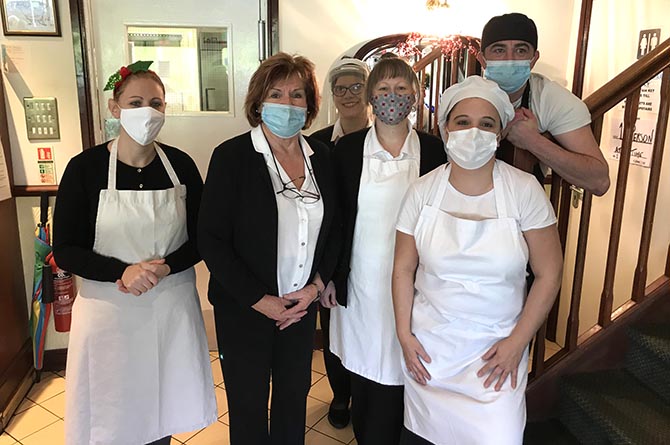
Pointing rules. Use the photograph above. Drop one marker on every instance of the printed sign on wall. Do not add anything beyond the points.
(46, 166)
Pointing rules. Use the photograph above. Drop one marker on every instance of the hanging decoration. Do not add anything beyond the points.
(417, 44)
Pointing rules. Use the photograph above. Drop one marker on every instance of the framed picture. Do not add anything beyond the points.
(30, 17)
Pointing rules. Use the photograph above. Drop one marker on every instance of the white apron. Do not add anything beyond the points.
(470, 290)
(138, 368)
(363, 333)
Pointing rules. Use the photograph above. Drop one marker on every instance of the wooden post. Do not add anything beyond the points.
(582, 46)
(640, 279)
(607, 297)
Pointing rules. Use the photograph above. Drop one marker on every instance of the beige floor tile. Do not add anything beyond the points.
(317, 362)
(175, 442)
(56, 405)
(314, 437)
(353, 442)
(224, 419)
(50, 385)
(215, 434)
(6, 439)
(24, 405)
(217, 375)
(54, 434)
(316, 409)
(183, 437)
(322, 391)
(221, 401)
(316, 377)
(344, 435)
(30, 421)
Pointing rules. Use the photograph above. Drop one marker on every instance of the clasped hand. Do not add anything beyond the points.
(522, 129)
(143, 276)
(290, 308)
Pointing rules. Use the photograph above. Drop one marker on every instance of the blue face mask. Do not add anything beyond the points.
(510, 75)
(284, 121)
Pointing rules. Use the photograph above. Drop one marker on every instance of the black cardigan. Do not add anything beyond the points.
(237, 226)
(325, 135)
(348, 159)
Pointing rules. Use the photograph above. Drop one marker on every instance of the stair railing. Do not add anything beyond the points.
(626, 85)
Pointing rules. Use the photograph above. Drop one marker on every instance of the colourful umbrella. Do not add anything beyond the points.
(42, 290)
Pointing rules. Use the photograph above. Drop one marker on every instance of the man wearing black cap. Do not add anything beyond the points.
(509, 52)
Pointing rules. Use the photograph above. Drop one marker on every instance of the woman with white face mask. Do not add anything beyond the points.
(138, 369)
(463, 317)
(374, 167)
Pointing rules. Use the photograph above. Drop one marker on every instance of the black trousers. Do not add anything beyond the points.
(253, 351)
(338, 376)
(409, 438)
(376, 411)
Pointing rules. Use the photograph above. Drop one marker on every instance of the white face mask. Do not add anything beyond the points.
(471, 148)
(142, 124)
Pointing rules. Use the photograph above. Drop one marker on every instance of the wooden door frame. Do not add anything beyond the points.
(16, 379)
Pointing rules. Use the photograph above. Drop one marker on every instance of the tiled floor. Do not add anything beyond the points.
(39, 419)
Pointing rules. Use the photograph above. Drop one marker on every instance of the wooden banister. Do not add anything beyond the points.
(640, 279)
(607, 297)
(380, 43)
(614, 91)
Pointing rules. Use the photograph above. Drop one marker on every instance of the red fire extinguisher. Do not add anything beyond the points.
(63, 295)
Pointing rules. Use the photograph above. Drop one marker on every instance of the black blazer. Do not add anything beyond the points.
(324, 135)
(237, 226)
(348, 159)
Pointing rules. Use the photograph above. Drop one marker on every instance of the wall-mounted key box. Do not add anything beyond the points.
(41, 118)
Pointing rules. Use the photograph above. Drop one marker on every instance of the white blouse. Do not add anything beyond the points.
(298, 223)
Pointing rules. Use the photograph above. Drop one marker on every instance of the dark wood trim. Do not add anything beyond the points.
(605, 349)
(54, 360)
(34, 190)
(572, 329)
(582, 47)
(380, 43)
(15, 383)
(640, 279)
(607, 297)
(273, 26)
(81, 68)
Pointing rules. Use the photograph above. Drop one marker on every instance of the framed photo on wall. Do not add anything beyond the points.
(30, 17)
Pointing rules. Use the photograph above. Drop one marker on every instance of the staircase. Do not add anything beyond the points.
(630, 405)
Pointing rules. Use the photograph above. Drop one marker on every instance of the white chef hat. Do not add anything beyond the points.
(475, 86)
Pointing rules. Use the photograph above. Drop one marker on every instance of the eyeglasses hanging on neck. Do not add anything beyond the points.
(289, 190)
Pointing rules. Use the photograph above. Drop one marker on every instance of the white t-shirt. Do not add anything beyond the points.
(526, 200)
(298, 223)
(557, 110)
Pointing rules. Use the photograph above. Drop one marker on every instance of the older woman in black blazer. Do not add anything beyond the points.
(266, 224)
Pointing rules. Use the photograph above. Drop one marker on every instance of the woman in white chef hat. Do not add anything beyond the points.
(464, 317)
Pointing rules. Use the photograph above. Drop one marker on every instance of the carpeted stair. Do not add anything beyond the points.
(622, 406)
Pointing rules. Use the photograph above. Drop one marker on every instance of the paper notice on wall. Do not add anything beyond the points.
(643, 141)
(5, 185)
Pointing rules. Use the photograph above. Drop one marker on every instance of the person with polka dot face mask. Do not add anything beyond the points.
(374, 167)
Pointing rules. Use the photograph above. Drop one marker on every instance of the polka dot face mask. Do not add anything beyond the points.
(392, 108)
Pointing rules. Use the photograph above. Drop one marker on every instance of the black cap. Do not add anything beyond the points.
(512, 26)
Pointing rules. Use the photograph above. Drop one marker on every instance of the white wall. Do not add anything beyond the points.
(323, 30)
(45, 68)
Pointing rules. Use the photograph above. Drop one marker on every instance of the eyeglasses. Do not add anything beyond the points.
(291, 191)
(341, 90)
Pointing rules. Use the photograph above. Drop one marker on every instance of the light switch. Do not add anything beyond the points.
(41, 118)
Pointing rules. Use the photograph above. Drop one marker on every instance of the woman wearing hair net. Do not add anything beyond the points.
(464, 318)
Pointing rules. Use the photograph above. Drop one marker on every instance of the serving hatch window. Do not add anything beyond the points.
(193, 63)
